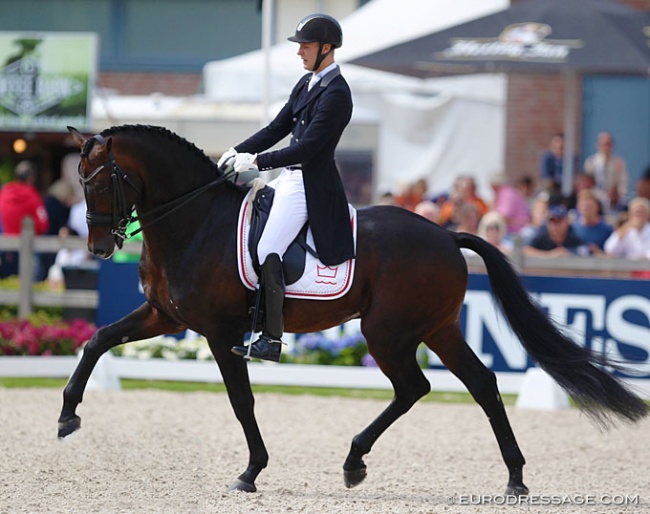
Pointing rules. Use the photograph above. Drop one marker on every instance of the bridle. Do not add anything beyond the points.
(122, 213)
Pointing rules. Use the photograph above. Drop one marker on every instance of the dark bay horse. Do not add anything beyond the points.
(409, 286)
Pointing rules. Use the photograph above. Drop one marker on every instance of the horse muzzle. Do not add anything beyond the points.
(101, 245)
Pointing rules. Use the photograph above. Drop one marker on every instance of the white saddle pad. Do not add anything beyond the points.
(318, 282)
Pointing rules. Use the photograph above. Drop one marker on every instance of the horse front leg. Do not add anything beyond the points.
(235, 377)
(142, 323)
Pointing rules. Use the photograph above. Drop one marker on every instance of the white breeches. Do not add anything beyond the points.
(288, 214)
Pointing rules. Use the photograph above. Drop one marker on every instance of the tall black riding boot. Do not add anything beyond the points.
(269, 345)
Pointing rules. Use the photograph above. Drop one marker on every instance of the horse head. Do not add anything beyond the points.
(109, 203)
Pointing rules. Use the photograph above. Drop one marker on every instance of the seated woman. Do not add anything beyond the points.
(494, 230)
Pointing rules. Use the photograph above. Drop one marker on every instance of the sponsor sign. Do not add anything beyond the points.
(517, 42)
(607, 315)
(46, 80)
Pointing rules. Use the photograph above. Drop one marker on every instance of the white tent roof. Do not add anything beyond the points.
(376, 25)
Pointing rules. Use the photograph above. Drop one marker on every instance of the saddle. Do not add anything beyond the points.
(293, 260)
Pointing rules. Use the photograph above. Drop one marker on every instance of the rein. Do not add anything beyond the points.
(173, 205)
(122, 214)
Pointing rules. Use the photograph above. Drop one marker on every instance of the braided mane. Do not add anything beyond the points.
(167, 134)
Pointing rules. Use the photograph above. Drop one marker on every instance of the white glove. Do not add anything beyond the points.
(226, 156)
(245, 162)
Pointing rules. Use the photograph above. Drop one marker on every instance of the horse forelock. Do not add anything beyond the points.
(88, 146)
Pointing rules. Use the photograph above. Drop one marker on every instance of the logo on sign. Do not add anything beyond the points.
(24, 90)
(518, 42)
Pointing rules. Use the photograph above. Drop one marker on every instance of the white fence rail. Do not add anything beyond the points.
(111, 369)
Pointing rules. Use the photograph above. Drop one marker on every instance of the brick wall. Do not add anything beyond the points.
(172, 84)
(534, 112)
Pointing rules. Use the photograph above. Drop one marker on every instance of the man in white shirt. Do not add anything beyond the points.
(632, 239)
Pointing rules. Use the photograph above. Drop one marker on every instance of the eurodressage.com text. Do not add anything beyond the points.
(544, 499)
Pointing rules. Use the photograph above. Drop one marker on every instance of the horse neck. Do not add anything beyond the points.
(216, 206)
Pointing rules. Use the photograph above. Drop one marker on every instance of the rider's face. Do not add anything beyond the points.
(308, 52)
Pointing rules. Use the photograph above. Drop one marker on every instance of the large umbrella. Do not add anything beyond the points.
(557, 36)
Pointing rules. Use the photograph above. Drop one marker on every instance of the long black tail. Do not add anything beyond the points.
(575, 368)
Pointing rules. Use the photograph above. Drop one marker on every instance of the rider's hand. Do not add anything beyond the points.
(227, 156)
(245, 162)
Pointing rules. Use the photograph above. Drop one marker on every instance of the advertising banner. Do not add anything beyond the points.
(607, 315)
(46, 80)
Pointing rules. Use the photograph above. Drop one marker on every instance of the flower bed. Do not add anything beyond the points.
(43, 335)
(316, 348)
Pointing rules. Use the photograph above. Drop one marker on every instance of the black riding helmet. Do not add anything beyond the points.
(319, 28)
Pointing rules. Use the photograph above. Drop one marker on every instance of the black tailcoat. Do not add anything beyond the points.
(316, 120)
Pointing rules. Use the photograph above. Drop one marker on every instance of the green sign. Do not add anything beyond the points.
(46, 80)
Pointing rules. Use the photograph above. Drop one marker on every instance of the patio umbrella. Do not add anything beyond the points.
(533, 36)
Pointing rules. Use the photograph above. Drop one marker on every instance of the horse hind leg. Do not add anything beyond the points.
(409, 384)
(481, 383)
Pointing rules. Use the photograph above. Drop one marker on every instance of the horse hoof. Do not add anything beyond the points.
(517, 490)
(239, 485)
(354, 477)
(69, 426)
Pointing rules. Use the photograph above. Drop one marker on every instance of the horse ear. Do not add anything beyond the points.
(76, 136)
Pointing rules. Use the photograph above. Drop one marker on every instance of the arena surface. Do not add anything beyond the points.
(162, 452)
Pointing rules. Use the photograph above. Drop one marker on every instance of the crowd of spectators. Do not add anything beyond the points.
(603, 215)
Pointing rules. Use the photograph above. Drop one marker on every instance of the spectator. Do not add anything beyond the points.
(510, 203)
(412, 195)
(429, 210)
(58, 200)
(556, 238)
(494, 230)
(610, 173)
(463, 192)
(551, 165)
(581, 183)
(632, 238)
(468, 219)
(538, 216)
(70, 172)
(60, 197)
(20, 199)
(526, 187)
(77, 218)
(643, 184)
(589, 224)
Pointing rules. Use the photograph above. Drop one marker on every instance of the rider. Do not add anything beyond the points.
(309, 186)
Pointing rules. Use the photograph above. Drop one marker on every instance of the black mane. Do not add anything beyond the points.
(167, 134)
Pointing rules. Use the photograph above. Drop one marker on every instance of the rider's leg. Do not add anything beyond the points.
(269, 344)
(288, 215)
